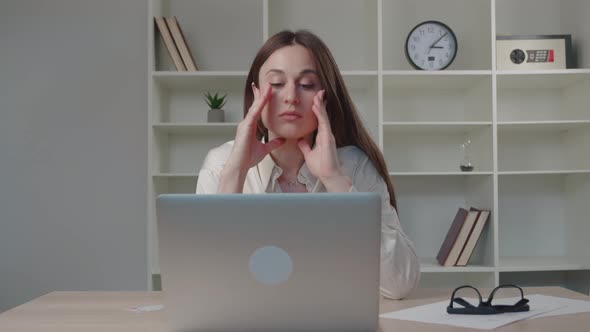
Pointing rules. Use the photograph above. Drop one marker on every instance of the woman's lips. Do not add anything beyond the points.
(290, 116)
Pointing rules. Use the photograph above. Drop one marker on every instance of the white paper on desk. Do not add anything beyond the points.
(436, 313)
(570, 306)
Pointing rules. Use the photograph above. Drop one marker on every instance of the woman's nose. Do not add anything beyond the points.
(291, 95)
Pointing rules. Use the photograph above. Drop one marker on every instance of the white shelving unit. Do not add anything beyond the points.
(530, 131)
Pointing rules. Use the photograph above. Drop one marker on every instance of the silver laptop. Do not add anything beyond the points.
(270, 262)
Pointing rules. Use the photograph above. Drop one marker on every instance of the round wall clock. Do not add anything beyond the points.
(431, 45)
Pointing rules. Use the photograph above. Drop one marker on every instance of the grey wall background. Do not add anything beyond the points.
(73, 147)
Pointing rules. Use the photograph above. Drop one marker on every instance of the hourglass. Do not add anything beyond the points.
(466, 164)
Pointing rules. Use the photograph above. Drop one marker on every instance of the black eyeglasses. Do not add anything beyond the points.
(486, 307)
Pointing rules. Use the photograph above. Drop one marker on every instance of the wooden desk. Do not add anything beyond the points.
(106, 311)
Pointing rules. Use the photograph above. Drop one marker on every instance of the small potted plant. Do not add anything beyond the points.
(215, 103)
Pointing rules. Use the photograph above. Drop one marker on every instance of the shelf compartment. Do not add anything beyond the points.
(543, 216)
(535, 263)
(543, 146)
(531, 17)
(364, 91)
(207, 26)
(180, 98)
(443, 195)
(185, 153)
(412, 98)
(578, 281)
(473, 31)
(452, 280)
(436, 148)
(352, 38)
(560, 96)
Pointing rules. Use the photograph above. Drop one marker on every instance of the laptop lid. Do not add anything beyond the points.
(280, 262)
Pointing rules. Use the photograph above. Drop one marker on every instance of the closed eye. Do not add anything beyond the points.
(303, 86)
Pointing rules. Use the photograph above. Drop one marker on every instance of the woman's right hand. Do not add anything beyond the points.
(247, 150)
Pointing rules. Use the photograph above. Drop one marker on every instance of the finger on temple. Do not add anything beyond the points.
(265, 99)
(255, 91)
(257, 105)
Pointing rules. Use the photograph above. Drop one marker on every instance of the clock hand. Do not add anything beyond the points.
(431, 47)
(441, 37)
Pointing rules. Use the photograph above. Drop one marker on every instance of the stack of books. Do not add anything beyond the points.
(465, 231)
(173, 37)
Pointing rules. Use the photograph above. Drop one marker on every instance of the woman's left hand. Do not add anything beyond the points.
(322, 160)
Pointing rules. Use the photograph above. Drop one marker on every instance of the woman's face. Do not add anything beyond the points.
(292, 74)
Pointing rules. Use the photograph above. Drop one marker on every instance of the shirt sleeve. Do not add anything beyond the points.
(400, 269)
(209, 175)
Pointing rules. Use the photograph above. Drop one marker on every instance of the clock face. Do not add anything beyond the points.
(431, 45)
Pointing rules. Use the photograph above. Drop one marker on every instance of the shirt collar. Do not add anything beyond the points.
(267, 167)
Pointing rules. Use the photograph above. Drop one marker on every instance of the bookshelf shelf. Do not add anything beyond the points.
(564, 72)
(440, 173)
(436, 127)
(176, 175)
(359, 73)
(530, 131)
(430, 265)
(196, 128)
(532, 263)
(443, 73)
(556, 125)
(169, 74)
(545, 172)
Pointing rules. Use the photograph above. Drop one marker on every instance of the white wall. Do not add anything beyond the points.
(73, 147)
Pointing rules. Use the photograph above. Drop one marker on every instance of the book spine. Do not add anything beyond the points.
(169, 42)
(181, 43)
(451, 236)
(461, 239)
(473, 238)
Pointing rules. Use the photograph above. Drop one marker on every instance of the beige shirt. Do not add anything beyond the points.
(400, 270)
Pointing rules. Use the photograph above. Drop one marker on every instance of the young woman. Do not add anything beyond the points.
(301, 133)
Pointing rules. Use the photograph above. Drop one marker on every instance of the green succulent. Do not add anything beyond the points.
(214, 101)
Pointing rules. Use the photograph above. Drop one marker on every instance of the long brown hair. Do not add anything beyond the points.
(345, 122)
